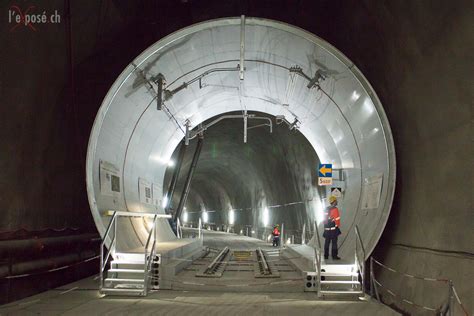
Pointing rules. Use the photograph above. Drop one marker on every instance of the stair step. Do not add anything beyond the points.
(127, 261)
(118, 291)
(126, 270)
(340, 282)
(132, 256)
(342, 274)
(125, 280)
(341, 292)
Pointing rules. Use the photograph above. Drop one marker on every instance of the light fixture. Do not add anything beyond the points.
(231, 217)
(164, 203)
(355, 96)
(265, 217)
(319, 211)
(205, 216)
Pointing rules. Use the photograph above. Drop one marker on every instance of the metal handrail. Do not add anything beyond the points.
(103, 261)
(179, 230)
(149, 256)
(317, 257)
(360, 263)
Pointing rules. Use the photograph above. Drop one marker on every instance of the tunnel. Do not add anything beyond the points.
(257, 67)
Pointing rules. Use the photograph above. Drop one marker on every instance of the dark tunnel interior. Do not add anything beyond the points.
(238, 176)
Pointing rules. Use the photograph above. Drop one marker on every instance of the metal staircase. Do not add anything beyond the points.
(129, 273)
(340, 279)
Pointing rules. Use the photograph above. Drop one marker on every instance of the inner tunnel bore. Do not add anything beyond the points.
(249, 187)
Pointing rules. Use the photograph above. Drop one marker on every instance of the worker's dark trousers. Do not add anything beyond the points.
(276, 241)
(333, 241)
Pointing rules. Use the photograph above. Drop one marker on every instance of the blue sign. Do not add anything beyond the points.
(325, 170)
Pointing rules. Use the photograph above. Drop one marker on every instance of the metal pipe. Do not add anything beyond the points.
(169, 94)
(193, 134)
(44, 264)
(10, 247)
(303, 241)
(174, 179)
(187, 184)
(245, 126)
(242, 46)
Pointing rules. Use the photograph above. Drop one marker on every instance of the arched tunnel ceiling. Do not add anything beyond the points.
(341, 118)
(270, 170)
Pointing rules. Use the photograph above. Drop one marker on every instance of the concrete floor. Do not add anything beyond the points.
(83, 298)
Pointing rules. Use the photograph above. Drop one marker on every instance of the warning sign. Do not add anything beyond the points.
(337, 192)
(144, 189)
(371, 192)
(109, 179)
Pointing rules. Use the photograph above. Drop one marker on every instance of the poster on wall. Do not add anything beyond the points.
(371, 192)
(144, 189)
(109, 179)
(156, 194)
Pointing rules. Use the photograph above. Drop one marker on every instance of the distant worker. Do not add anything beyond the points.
(276, 236)
(332, 221)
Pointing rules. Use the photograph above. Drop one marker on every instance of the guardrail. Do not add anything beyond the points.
(111, 234)
(113, 244)
(447, 308)
(317, 258)
(360, 257)
(149, 254)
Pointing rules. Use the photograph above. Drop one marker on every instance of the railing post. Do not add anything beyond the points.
(282, 237)
(101, 266)
(178, 226)
(303, 239)
(115, 219)
(199, 226)
(371, 277)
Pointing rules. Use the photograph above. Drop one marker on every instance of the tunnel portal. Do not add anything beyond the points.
(249, 67)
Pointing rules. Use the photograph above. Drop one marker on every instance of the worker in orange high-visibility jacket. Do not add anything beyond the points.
(276, 236)
(332, 222)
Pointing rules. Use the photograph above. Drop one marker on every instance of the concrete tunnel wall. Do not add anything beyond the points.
(417, 55)
(343, 121)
